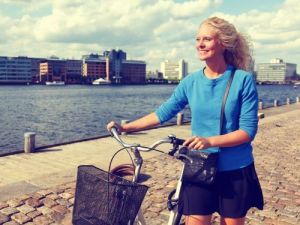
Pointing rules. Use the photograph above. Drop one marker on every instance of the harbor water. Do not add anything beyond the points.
(59, 114)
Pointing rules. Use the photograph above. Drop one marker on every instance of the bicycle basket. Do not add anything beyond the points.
(102, 198)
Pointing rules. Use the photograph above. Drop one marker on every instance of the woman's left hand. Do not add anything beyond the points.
(197, 143)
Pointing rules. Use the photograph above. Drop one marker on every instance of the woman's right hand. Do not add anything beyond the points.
(114, 124)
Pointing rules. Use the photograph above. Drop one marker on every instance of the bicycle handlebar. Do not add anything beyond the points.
(115, 134)
(171, 139)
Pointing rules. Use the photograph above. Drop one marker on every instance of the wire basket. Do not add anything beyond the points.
(102, 198)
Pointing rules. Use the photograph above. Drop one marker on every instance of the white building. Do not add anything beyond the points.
(275, 71)
(15, 69)
(174, 70)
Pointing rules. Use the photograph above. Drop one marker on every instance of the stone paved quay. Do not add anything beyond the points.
(39, 188)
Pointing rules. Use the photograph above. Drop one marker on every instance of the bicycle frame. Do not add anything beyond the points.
(174, 218)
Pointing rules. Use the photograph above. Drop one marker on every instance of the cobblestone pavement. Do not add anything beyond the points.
(277, 156)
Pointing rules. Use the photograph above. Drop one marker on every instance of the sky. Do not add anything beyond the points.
(147, 30)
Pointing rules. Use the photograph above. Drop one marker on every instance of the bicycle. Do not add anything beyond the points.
(126, 196)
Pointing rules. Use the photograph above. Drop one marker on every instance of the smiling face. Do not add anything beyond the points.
(208, 46)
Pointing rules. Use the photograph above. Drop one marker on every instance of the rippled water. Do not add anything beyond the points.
(74, 112)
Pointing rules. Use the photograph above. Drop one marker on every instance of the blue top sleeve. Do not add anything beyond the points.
(174, 104)
(248, 120)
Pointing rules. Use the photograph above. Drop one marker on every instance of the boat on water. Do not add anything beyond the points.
(297, 85)
(55, 83)
(101, 81)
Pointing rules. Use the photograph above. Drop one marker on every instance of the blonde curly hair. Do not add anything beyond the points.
(238, 48)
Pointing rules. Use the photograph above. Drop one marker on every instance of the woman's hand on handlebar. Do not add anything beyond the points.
(114, 124)
(198, 143)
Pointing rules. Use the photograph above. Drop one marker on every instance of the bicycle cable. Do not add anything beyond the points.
(114, 155)
(109, 170)
(153, 149)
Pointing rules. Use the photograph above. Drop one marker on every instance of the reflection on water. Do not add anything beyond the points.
(74, 112)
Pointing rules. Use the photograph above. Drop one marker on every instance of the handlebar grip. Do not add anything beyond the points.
(113, 131)
(115, 134)
(176, 142)
(179, 141)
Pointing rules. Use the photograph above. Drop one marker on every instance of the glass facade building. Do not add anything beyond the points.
(275, 71)
(15, 69)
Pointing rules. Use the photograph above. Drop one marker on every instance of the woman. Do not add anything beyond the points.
(237, 187)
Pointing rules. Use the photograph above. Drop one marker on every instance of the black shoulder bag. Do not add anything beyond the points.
(202, 167)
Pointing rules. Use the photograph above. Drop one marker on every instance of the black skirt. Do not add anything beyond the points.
(232, 195)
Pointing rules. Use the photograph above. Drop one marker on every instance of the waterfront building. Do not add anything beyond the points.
(277, 71)
(15, 70)
(154, 75)
(53, 70)
(35, 69)
(94, 67)
(174, 70)
(133, 72)
(73, 71)
(114, 64)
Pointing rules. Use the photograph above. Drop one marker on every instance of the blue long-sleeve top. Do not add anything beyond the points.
(204, 97)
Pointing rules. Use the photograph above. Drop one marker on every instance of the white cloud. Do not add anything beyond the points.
(5, 22)
(288, 16)
(275, 34)
(147, 29)
(189, 9)
(175, 30)
(21, 28)
(27, 6)
(134, 25)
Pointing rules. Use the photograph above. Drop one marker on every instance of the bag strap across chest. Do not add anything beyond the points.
(225, 98)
